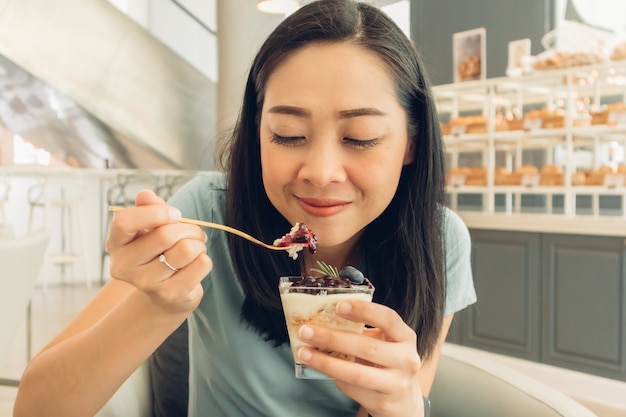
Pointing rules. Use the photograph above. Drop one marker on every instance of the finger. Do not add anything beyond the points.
(157, 280)
(149, 245)
(147, 197)
(178, 257)
(127, 223)
(128, 261)
(183, 290)
(378, 316)
(371, 351)
(350, 372)
(374, 388)
(186, 257)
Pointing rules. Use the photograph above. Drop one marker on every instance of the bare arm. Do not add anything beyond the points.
(429, 369)
(80, 369)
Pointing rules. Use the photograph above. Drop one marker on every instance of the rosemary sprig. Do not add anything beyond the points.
(326, 269)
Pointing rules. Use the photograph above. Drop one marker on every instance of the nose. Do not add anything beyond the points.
(324, 163)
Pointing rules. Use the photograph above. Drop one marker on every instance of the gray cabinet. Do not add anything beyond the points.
(555, 299)
(507, 320)
(584, 314)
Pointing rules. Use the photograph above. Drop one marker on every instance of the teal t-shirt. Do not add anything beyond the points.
(233, 371)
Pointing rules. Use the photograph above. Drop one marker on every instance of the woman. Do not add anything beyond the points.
(338, 130)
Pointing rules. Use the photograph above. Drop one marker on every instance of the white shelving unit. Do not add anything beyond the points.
(576, 91)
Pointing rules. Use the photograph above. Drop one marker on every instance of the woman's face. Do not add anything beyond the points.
(333, 139)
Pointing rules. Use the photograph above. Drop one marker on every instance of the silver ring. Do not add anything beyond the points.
(163, 259)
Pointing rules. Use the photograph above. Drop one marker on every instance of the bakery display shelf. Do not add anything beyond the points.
(561, 114)
(559, 201)
(539, 189)
(517, 135)
(588, 225)
(616, 133)
(540, 137)
(595, 81)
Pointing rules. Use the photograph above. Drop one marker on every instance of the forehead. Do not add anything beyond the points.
(336, 69)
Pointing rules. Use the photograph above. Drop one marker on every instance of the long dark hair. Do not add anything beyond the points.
(403, 248)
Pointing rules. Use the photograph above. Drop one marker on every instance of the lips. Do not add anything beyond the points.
(322, 207)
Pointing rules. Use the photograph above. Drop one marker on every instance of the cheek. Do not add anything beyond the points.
(267, 166)
(275, 168)
(382, 184)
(380, 177)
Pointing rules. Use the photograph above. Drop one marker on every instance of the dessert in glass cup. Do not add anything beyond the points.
(313, 300)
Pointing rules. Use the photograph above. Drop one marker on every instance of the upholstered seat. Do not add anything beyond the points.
(21, 259)
(468, 384)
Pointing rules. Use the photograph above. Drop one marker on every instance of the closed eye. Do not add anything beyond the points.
(287, 140)
(297, 140)
(362, 144)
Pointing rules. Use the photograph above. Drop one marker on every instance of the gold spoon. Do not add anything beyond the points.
(220, 227)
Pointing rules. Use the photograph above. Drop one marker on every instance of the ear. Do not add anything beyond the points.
(409, 155)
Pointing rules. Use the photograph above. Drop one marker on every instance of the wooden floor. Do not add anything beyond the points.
(54, 309)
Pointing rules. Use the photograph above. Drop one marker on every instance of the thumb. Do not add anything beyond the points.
(147, 197)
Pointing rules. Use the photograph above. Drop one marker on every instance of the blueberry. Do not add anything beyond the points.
(354, 275)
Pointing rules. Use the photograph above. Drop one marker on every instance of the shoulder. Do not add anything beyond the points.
(203, 197)
(210, 180)
(460, 290)
(456, 233)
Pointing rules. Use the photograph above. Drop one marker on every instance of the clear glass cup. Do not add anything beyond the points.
(306, 305)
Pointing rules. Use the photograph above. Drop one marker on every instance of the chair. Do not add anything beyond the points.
(466, 385)
(171, 182)
(469, 385)
(5, 190)
(133, 398)
(62, 196)
(21, 259)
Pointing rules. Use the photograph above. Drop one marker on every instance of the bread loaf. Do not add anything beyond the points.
(477, 176)
(552, 175)
(619, 52)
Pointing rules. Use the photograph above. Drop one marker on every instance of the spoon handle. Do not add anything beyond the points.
(220, 227)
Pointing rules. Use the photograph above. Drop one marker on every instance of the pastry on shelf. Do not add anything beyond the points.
(599, 118)
(455, 177)
(515, 124)
(616, 114)
(500, 176)
(477, 176)
(554, 120)
(598, 177)
(546, 119)
(552, 175)
(553, 60)
(507, 124)
(619, 52)
(612, 114)
(468, 124)
(533, 119)
(469, 69)
(579, 178)
(524, 175)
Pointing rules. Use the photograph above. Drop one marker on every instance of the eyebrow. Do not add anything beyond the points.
(344, 114)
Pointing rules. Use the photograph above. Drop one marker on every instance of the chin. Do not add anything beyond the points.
(329, 239)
